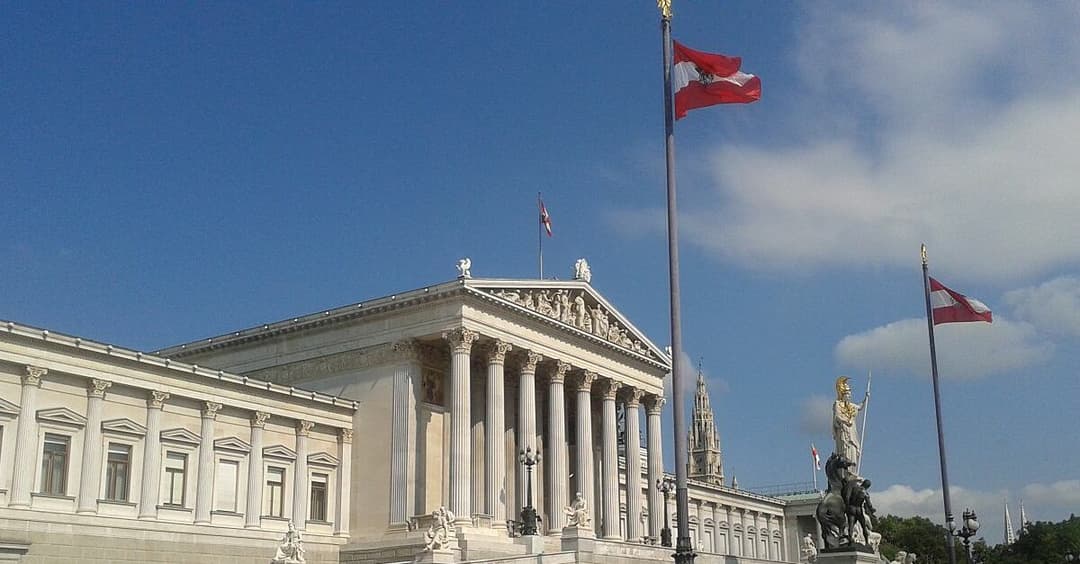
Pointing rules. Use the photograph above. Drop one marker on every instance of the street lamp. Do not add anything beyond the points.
(528, 513)
(666, 486)
(968, 530)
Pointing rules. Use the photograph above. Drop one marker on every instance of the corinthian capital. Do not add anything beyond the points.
(497, 351)
(303, 428)
(558, 374)
(407, 349)
(530, 361)
(461, 339)
(33, 375)
(210, 409)
(609, 388)
(633, 397)
(259, 419)
(156, 399)
(585, 382)
(654, 404)
(96, 388)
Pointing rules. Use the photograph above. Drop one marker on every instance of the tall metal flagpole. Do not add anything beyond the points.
(684, 553)
(540, 233)
(937, 411)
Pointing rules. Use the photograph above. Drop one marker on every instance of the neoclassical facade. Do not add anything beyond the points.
(356, 424)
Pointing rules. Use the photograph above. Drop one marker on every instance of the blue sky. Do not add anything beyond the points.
(175, 171)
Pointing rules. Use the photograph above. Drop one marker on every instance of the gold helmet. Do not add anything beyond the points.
(842, 387)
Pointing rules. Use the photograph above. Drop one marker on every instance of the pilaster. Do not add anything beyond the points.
(341, 522)
(300, 483)
(253, 508)
(150, 490)
(403, 417)
(204, 490)
(90, 479)
(22, 479)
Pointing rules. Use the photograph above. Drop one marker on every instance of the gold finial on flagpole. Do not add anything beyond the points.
(665, 8)
(922, 251)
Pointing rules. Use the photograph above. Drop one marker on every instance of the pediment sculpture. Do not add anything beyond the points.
(572, 308)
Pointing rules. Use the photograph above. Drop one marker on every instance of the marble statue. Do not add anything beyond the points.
(901, 558)
(464, 267)
(582, 271)
(910, 558)
(844, 429)
(291, 548)
(577, 514)
(874, 541)
(809, 548)
(439, 535)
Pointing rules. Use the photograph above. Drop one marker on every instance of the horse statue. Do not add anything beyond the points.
(832, 510)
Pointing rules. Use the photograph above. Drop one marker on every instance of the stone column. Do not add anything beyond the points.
(461, 341)
(494, 429)
(584, 470)
(253, 508)
(608, 389)
(402, 431)
(204, 490)
(654, 405)
(150, 490)
(749, 546)
(730, 530)
(90, 479)
(557, 456)
(300, 480)
(22, 479)
(341, 523)
(527, 420)
(768, 538)
(633, 466)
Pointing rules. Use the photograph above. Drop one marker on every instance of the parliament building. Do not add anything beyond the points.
(355, 425)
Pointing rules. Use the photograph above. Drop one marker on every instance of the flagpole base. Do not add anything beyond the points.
(684, 554)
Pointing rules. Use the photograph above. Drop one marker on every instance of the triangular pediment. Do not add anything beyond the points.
(322, 459)
(280, 452)
(179, 435)
(232, 443)
(123, 426)
(575, 307)
(8, 410)
(61, 416)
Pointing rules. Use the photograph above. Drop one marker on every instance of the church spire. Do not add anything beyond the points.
(1009, 537)
(704, 441)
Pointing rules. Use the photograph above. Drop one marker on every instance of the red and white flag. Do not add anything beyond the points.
(814, 454)
(704, 79)
(953, 307)
(545, 219)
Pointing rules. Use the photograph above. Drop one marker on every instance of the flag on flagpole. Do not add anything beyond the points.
(545, 219)
(950, 306)
(814, 454)
(704, 79)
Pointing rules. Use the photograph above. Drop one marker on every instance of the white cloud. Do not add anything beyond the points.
(943, 125)
(1052, 306)
(1063, 493)
(816, 417)
(689, 371)
(965, 350)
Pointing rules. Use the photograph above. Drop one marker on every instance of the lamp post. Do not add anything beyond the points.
(666, 486)
(528, 513)
(971, 526)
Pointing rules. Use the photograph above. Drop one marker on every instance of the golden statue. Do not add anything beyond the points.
(844, 429)
(665, 8)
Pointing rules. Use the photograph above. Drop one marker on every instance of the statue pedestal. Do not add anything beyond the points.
(848, 557)
(534, 544)
(578, 539)
(439, 556)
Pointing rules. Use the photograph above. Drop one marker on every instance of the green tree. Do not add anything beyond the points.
(913, 534)
(1041, 542)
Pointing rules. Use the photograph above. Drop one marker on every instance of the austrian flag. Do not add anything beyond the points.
(950, 306)
(704, 79)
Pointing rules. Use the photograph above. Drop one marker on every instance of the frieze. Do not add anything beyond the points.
(334, 364)
(578, 310)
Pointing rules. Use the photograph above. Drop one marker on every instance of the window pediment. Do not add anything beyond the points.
(123, 426)
(180, 436)
(8, 410)
(323, 459)
(61, 416)
(233, 444)
(280, 452)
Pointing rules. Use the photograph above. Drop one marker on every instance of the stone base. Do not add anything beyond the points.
(578, 539)
(442, 556)
(534, 544)
(848, 557)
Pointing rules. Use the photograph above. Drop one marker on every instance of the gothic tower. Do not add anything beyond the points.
(704, 442)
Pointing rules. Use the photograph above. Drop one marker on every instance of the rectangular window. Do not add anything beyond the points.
(54, 461)
(228, 472)
(175, 478)
(318, 497)
(117, 472)
(275, 492)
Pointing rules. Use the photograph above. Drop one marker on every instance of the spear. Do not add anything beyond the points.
(865, 410)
